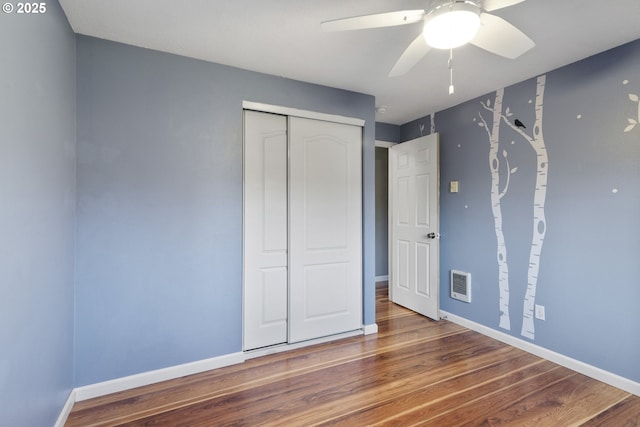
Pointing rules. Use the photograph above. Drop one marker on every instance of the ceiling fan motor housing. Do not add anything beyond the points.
(452, 24)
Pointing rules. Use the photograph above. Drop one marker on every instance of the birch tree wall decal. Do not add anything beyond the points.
(536, 141)
(496, 196)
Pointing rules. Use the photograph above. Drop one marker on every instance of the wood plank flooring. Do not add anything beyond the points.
(414, 372)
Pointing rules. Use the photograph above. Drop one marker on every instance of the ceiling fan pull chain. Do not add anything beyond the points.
(450, 71)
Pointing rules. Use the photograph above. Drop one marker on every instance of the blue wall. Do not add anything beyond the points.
(159, 228)
(37, 190)
(416, 128)
(387, 132)
(588, 268)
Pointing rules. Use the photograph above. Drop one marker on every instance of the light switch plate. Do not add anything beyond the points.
(453, 186)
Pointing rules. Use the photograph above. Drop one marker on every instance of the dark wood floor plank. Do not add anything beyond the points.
(253, 372)
(347, 385)
(567, 403)
(415, 371)
(623, 414)
(412, 394)
(444, 405)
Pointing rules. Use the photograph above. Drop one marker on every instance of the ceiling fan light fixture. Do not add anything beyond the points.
(452, 24)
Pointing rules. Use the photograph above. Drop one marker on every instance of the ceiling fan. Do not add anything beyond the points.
(447, 25)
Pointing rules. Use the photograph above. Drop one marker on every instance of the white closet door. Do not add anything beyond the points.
(325, 231)
(265, 230)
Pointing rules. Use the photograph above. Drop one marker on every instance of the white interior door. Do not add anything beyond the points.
(414, 225)
(265, 230)
(325, 235)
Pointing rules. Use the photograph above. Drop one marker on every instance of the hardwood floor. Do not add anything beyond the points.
(414, 372)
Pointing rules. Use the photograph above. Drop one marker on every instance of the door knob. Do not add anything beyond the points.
(431, 236)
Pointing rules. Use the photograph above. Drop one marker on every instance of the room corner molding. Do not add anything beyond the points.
(566, 361)
(66, 410)
(156, 376)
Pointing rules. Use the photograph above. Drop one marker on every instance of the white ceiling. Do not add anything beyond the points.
(283, 38)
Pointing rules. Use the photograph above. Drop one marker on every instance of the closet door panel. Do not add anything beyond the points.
(265, 272)
(325, 231)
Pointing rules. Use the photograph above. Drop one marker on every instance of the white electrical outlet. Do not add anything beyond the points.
(540, 312)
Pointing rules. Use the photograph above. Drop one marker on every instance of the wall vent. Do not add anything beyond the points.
(461, 285)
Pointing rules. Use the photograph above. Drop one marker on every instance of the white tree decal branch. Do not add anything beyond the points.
(510, 171)
(633, 122)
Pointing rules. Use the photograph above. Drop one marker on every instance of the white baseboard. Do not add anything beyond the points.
(370, 329)
(566, 361)
(66, 410)
(152, 377)
(382, 278)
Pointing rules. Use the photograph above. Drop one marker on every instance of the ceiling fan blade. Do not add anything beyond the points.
(390, 19)
(410, 57)
(491, 5)
(500, 37)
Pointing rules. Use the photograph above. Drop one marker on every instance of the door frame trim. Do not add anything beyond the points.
(305, 114)
(386, 144)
